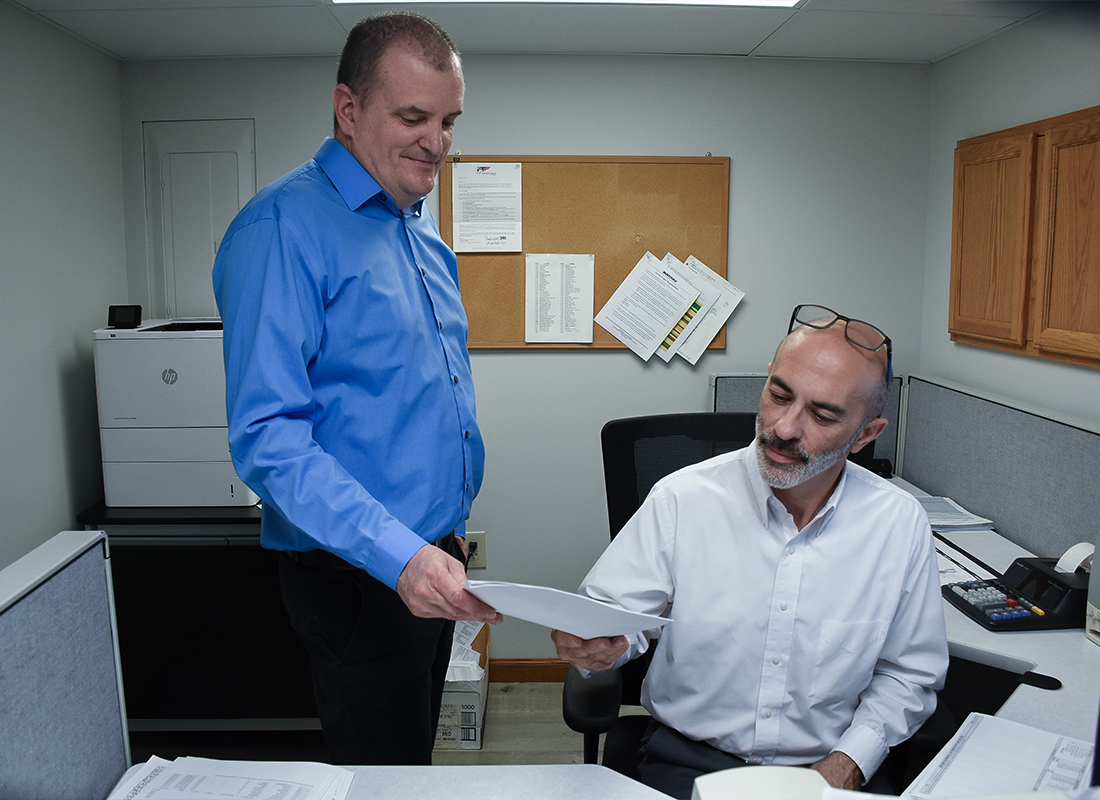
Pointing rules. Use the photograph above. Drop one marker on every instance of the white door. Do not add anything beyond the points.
(198, 174)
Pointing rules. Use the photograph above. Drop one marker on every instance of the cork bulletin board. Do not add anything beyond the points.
(616, 207)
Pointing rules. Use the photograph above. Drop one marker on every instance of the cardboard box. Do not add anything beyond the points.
(462, 715)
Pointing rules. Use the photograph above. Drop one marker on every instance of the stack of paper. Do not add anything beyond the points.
(669, 307)
(465, 661)
(573, 613)
(257, 780)
(944, 514)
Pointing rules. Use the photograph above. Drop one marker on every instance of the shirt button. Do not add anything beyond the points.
(790, 551)
(422, 272)
(782, 606)
(775, 659)
(467, 434)
(767, 715)
(756, 760)
(455, 378)
(440, 326)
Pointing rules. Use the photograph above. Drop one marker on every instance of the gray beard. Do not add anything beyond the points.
(787, 476)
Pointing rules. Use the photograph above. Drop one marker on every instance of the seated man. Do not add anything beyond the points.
(807, 624)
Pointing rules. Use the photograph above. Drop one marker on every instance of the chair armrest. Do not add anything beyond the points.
(591, 705)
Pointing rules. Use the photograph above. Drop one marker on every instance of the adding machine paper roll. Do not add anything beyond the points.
(1077, 556)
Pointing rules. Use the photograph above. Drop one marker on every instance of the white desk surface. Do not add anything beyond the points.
(489, 782)
(1067, 655)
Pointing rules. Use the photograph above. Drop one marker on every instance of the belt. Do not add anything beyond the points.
(323, 559)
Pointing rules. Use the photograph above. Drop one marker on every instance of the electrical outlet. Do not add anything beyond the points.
(475, 549)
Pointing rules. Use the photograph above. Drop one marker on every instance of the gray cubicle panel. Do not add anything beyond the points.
(1037, 479)
(62, 717)
(742, 393)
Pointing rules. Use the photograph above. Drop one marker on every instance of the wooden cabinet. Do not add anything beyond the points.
(1025, 256)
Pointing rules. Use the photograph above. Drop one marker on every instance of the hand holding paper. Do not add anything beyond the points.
(573, 613)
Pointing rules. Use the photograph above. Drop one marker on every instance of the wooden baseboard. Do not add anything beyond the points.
(527, 670)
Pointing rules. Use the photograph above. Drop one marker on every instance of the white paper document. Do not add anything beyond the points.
(646, 306)
(566, 611)
(991, 757)
(558, 297)
(187, 778)
(706, 325)
(465, 661)
(945, 514)
(487, 207)
(692, 317)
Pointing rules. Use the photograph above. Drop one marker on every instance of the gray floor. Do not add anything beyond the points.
(523, 725)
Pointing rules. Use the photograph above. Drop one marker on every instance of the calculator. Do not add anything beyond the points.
(1030, 596)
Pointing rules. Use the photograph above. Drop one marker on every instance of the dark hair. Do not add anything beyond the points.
(370, 38)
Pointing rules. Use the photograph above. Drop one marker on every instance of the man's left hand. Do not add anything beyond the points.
(433, 584)
(840, 771)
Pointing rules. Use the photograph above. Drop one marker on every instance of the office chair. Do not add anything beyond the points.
(637, 452)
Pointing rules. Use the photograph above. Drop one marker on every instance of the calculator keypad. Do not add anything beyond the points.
(994, 605)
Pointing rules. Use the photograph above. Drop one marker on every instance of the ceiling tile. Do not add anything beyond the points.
(546, 28)
(878, 36)
(203, 33)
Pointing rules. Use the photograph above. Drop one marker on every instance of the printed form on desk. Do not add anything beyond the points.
(257, 780)
(991, 757)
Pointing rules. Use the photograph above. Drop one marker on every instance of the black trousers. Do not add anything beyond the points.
(378, 671)
(670, 762)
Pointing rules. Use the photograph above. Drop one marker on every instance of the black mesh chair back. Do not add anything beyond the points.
(639, 451)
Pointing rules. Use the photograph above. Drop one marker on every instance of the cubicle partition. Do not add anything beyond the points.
(63, 726)
(1036, 478)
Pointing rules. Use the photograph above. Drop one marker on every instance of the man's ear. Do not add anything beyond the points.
(345, 105)
(870, 432)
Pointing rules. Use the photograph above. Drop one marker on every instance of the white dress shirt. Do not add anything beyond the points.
(785, 645)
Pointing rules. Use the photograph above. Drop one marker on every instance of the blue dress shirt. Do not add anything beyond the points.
(348, 383)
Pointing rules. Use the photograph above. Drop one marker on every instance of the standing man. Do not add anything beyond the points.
(349, 393)
(807, 624)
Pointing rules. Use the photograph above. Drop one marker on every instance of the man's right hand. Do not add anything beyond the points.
(593, 654)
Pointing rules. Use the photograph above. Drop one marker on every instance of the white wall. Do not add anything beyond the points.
(829, 163)
(1048, 67)
(61, 262)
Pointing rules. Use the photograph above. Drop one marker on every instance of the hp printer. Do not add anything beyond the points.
(162, 421)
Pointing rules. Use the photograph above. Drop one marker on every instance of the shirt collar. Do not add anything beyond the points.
(352, 181)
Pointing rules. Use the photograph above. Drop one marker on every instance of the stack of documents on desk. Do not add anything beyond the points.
(187, 778)
(944, 514)
(993, 757)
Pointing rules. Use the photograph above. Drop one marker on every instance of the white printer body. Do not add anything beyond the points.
(162, 421)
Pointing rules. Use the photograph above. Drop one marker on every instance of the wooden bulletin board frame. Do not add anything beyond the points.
(616, 207)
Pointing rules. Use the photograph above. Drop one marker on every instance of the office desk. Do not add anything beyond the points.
(546, 782)
(1066, 655)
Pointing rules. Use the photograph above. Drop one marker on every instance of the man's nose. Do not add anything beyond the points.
(433, 139)
(789, 424)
